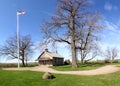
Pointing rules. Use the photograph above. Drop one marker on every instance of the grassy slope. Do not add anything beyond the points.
(81, 67)
(29, 78)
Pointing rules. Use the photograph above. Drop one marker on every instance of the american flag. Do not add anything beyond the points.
(20, 12)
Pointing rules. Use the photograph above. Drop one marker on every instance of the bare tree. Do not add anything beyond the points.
(114, 53)
(89, 53)
(111, 53)
(88, 34)
(93, 53)
(10, 48)
(108, 54)
(64, 26)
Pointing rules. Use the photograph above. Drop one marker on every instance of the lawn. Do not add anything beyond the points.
(30, 78)
(88, 66)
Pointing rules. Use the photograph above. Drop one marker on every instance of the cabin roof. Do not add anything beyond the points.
(49, 55)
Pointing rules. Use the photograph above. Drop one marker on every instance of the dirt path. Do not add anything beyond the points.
(102, 70)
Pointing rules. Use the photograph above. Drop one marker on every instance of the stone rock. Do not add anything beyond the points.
(48, 75)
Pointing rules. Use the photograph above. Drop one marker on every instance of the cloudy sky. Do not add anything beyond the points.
(39, 10)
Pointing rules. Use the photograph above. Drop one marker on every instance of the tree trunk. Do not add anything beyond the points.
(81, 56)
(74, 59)
(82, 61)
(23, 63)
(23, 59)
(26, 60)
(73, 48)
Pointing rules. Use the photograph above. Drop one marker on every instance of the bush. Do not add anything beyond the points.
(67, 62)
(107, 61)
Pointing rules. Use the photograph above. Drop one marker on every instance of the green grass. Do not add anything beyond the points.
(88, 66)
(29, 78)
(117, 64)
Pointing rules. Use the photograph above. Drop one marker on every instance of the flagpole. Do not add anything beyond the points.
(18, 55)
(18, 36)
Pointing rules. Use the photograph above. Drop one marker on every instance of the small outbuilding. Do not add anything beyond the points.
(49, 58)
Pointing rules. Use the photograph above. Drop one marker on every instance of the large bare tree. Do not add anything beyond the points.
(10, 48)
(64, 25)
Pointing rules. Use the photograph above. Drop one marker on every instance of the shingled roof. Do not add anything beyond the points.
(49, 55)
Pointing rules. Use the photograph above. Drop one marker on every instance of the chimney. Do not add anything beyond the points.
(46, 50)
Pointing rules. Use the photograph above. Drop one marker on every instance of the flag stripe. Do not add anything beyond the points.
(20, 12)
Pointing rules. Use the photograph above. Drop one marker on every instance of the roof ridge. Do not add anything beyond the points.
(53, 54)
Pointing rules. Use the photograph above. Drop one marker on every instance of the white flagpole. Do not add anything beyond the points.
(18, 55)
(18, 37)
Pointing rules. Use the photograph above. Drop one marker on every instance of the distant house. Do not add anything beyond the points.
(49, 58)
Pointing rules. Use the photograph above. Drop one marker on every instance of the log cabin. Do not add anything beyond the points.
(49, 58)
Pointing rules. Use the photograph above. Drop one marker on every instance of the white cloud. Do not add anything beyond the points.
(110, 37)
(118, 23)
(115, 7)
(112, 26)
(105, 45)
(109, 6)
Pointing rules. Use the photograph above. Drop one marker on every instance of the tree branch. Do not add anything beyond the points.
(61, 40)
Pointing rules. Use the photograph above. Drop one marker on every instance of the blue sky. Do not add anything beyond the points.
(39, 10)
